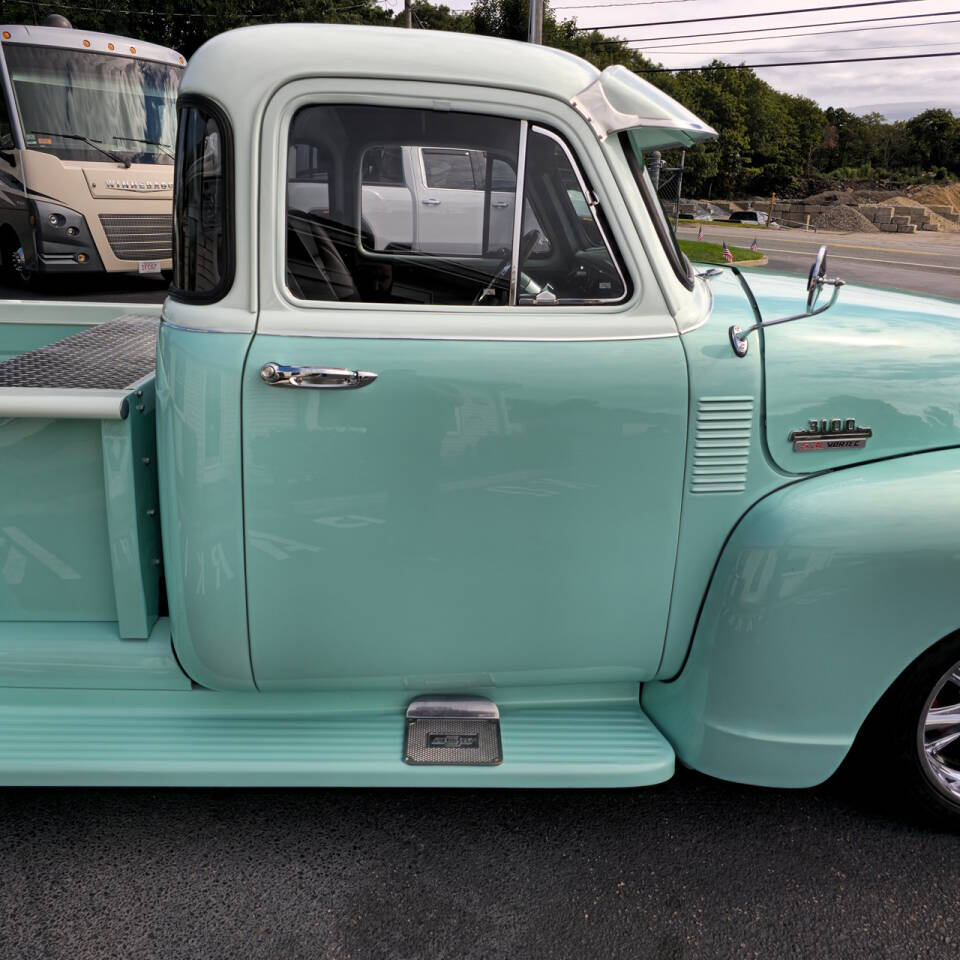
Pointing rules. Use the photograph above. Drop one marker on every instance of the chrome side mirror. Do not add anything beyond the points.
(816, 281)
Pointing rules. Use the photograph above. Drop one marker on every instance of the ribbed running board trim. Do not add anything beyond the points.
(45, 743)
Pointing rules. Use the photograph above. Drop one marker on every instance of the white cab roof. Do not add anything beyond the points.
(270, 55)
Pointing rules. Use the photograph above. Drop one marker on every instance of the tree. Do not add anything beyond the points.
(935, 135)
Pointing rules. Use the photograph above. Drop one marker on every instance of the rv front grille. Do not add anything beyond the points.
(135, 236)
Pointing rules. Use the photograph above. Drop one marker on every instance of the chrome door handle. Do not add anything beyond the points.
(500, 203)
(318, 378)
(431, 202)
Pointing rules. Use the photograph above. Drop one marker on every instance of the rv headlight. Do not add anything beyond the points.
(56, 219)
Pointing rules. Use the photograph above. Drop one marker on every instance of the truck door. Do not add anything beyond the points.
(459, 469)
(451, 202)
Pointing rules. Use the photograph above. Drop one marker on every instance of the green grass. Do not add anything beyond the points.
(703, 252)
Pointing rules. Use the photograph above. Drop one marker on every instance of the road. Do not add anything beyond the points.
(922, 262)
(692, 869)
(119, 288)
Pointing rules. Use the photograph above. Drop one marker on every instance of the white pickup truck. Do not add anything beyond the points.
(426, 199)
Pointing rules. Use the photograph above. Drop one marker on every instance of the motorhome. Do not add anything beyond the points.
(87, 128)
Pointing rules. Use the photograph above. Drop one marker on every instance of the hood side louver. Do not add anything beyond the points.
(721, 451)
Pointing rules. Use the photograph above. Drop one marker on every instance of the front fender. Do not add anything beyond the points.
(824, 593)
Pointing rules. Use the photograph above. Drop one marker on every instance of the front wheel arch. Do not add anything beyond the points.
(825, 593)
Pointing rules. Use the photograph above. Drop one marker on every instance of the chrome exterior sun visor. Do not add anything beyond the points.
(620, 100)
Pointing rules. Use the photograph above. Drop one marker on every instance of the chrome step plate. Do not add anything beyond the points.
(453, 731)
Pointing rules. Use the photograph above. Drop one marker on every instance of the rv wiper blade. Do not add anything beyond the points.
(83, 139)
(150, 143)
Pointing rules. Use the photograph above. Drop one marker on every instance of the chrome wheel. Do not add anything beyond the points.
(938, 735)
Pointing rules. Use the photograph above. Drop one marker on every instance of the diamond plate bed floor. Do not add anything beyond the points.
(110, 356)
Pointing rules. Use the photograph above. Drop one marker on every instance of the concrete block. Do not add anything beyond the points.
(888, 227)
(946, 211)
(901, 219)
(884, 214)
(932, 227)
(906, 228)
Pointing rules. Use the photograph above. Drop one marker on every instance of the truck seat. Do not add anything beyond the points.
(315, 268)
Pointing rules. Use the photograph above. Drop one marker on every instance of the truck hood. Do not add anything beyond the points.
(885, 361)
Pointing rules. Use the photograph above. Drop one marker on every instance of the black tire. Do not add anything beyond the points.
(890, 748)
(9, 243)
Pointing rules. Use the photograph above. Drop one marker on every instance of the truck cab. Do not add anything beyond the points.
(493, 491)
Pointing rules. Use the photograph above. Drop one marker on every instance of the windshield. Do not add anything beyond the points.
(651, 200)
(90, 106)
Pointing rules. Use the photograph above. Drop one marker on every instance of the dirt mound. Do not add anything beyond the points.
(938, 195)
(844, 219)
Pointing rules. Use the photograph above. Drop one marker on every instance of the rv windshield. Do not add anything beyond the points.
(81, 106)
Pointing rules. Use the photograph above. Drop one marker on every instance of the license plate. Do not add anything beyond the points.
(149, 266)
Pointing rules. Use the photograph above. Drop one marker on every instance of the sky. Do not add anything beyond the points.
(896, 88)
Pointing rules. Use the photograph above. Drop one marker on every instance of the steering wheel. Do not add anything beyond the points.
(527, 242)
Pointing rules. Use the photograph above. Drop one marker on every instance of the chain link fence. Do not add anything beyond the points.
(668, 182)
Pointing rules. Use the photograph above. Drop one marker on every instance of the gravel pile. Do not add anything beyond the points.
(844, 219)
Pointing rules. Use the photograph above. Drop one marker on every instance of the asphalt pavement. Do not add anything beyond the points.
(695, 868)
(925, 262)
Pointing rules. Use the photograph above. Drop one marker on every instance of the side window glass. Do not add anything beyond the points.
(566, 254)
(6, 132)
(383, 167)
(448, 170)
(412, 206)
(202, 241)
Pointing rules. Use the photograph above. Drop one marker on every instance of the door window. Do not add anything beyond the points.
(396, 205)
(449, 170)
(566, 254)
(377, 227)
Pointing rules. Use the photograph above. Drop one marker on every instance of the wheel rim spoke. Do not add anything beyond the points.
(939, 729)
(942, 717)
(935, 746)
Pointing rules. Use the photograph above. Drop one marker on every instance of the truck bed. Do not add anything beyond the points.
(79, 521)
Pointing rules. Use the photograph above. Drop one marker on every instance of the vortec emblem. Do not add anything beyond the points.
(830, 435)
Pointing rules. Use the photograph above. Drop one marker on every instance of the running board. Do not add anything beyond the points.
(201, 738)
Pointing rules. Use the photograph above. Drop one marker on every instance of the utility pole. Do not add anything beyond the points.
(407, 15)
(535, 31)
(656, 162)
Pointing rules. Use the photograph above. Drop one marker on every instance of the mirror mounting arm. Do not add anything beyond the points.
(738, 337)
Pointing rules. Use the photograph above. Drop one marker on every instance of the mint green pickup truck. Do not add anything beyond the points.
(552, 512)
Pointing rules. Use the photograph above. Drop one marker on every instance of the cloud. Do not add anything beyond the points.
(933, 81)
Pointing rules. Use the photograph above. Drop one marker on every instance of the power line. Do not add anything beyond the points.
(633, 3)
(797, 63)
(792, 50)
(825, 23)
(744, 16)
(787, 36)
(71, 7)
